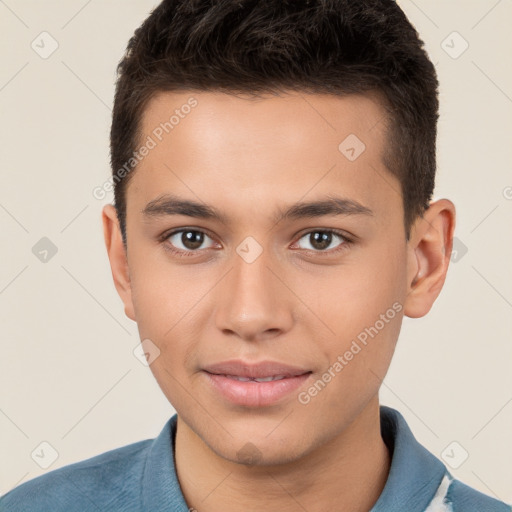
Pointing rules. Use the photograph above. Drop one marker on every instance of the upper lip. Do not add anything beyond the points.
(239, 368)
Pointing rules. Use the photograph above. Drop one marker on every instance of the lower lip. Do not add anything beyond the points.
(255, 394)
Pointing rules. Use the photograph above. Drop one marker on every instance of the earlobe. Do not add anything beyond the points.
(118, 258)
(429, 247)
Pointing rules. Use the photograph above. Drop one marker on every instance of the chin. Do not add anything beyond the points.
(261, 450)
(251, 455)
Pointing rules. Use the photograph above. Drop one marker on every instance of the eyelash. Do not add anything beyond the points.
(347, 241)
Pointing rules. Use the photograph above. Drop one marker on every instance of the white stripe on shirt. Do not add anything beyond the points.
(438, 503)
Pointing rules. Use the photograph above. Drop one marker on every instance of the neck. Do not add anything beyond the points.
(346, 473)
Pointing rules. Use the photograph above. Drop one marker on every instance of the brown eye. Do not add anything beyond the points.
(321, 240)
(187, 239)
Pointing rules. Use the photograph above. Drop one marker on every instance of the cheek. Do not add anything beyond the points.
(362, 303)
(359, 359)
(162, 296)
(165, 315)
(353, 295)
(167, 305)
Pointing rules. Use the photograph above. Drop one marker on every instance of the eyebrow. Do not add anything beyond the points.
(169, 204)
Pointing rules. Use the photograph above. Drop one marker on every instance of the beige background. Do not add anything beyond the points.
(67, 369)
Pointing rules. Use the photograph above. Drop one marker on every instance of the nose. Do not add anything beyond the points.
(253, 301)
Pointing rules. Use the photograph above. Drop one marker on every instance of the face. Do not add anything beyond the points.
(296, 253)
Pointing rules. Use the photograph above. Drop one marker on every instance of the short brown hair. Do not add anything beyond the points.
(337, 47)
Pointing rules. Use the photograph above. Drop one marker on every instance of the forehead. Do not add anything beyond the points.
(275, 147)
(289, 116)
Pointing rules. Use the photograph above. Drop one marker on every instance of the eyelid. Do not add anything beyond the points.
(339, 232)
(167, 234)
(347, 240)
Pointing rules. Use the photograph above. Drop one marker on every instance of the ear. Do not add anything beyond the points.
(429, 252)
(118, 258)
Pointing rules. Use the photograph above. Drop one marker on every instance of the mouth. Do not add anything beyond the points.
(261, 370)
(255, 379)
(259, 385)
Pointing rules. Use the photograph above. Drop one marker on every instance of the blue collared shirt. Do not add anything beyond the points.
(141, 477)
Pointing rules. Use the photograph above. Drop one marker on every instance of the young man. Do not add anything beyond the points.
(273, 164)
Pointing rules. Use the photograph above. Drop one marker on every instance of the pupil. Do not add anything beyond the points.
(192, 239)
(320, 239)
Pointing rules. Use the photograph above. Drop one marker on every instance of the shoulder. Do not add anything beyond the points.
(463, 498)
(418, 480)
(109, 481)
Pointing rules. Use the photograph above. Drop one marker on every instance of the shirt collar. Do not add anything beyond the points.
(160, 488)
(414, 476)
(415, 473)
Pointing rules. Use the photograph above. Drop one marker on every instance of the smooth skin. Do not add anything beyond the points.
(299, 302)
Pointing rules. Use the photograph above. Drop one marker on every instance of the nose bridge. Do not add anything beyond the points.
(251, 301)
